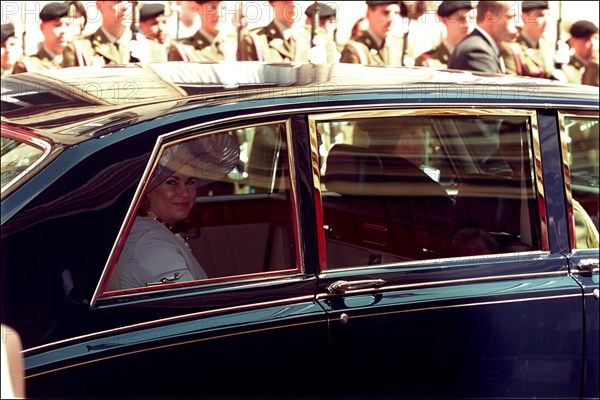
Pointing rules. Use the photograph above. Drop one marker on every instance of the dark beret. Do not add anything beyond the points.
(449, 7)
(325, 10)
(583, 29)
(52, 11)
(8, 31)
(534, 5)
(151, 10)
(376, 3)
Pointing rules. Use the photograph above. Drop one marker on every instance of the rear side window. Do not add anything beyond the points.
(403, 188)
(215, 206)
(19, 154)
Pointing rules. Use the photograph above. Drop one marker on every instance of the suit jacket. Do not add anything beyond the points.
(42, 60)
(97, 49)
(363, 49)
(475, 53)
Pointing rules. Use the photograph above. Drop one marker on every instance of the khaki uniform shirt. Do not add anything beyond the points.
(197, 48)
(590, 74)
(434, 58)
(526, 58)
(268, 44)
(42, 60)
(364, 49)
(574, 69)
(97, 49)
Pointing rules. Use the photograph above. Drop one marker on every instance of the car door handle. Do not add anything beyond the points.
(338, 287)
(588, 266)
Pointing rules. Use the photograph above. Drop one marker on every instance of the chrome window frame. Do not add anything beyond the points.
(163, 141)
(566, 167)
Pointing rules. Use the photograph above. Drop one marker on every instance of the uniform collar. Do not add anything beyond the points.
(376, 39)
(124, 39)
(529, 41)
(285, 31)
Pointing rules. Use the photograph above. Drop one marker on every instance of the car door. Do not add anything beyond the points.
(459, 292)
(252, 328)
(579, 134)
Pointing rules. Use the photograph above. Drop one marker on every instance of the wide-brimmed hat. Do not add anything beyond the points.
(207, 158)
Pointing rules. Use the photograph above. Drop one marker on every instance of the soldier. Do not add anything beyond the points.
(375, 46)
(528, 56)
(591, 74)
(11, 49)
(323, 47)
(209, 43)
(455, 16)
(112, 43)
(153, 22)
(54, 25)
(281, 41)
(584, 44)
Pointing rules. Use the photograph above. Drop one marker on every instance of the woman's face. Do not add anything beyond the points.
(172, 200)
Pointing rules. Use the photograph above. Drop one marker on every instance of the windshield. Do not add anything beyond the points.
(19, 155)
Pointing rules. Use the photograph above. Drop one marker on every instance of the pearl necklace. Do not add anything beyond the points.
(170, 228)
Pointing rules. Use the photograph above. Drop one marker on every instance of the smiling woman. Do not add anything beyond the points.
(154, 253)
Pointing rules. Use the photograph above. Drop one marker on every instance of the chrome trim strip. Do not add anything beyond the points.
(294, 193)
(539, 181)
(43, 145)
(564, 146)
(482, 303)
(176, 318)
(445, 283)
(441, 261)
(176, 344)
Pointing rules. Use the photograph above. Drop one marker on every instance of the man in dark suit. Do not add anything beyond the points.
(480, 50)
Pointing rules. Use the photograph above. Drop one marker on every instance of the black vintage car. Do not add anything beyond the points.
(377, 232)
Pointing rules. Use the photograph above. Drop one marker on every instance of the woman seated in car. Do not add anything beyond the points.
(154, 253)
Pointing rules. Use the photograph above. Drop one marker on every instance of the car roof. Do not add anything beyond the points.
(73, 104)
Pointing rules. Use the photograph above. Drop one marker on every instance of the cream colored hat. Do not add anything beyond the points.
(207, 158)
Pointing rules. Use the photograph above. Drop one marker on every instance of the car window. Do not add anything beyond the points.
(215, 206)
(403, 188)
(19, 154)
(582, 147)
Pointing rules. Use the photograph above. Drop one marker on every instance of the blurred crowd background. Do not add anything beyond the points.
(183, 20)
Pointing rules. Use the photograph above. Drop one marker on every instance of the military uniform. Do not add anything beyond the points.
(268, 44)
(574, 69)
(97, 49)
(526, 58)
(434, 58)
(590, 74)
(197, 48)
(42, 60)
(364, 49)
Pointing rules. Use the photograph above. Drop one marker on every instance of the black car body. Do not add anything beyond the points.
(334, 268)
